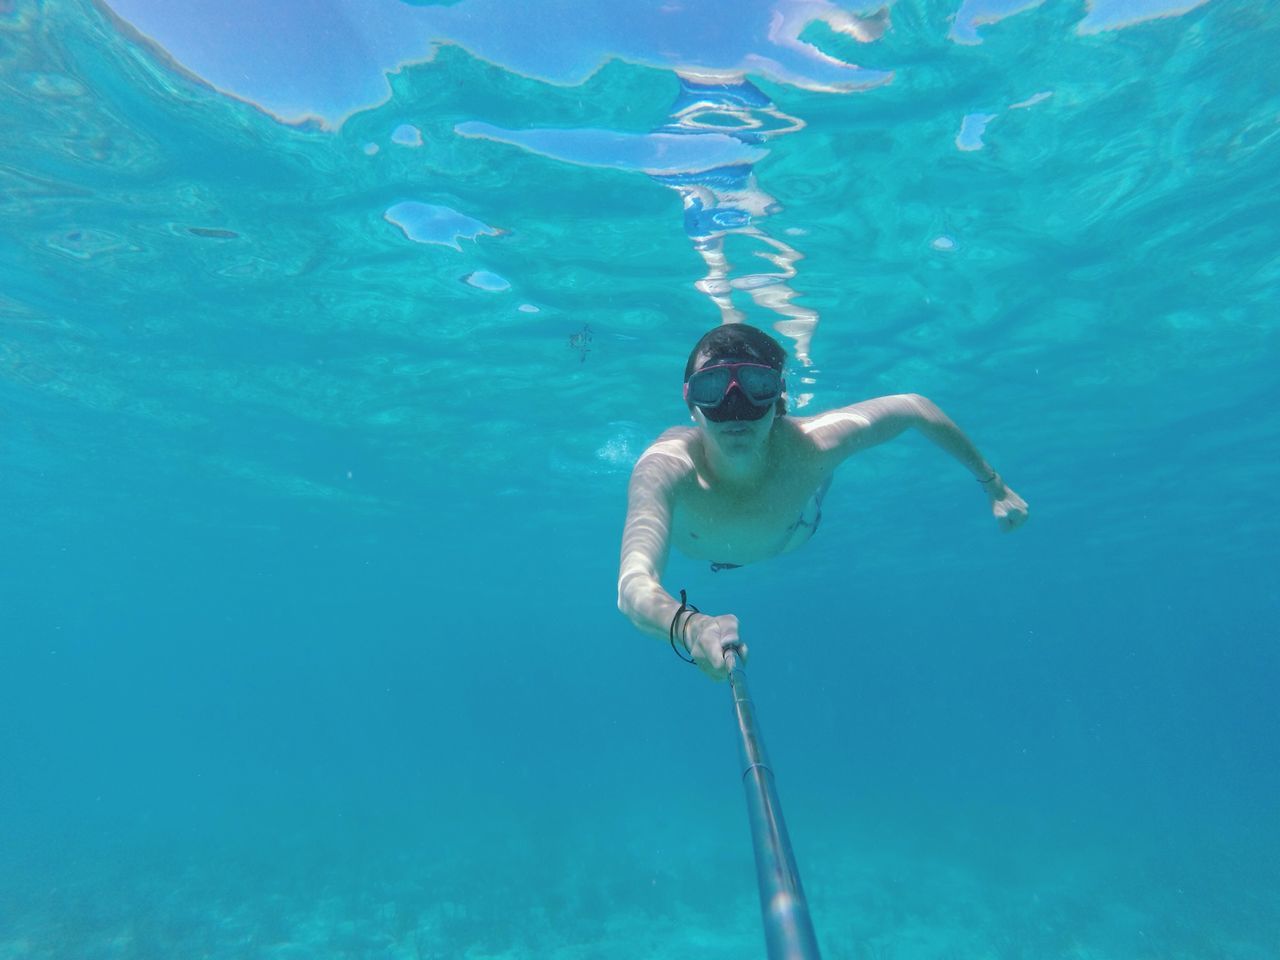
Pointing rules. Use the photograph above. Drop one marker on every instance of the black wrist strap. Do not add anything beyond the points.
(690, 609)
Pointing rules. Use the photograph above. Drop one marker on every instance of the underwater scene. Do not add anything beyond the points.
(331, 333)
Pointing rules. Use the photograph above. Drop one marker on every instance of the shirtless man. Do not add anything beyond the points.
(746, 483)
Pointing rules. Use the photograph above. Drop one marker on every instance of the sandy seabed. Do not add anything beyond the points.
(627, 900)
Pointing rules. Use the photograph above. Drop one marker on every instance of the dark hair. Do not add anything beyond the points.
(737, 341)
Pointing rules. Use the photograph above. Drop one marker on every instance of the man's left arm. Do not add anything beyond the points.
(848, 430)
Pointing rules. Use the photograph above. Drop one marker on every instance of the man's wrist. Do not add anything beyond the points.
(990, 482)
(689, 632)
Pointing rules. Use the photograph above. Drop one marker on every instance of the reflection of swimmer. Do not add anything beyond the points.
(746, 482)
(727, 202)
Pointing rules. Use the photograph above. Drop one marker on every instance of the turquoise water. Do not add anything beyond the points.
(316, 439)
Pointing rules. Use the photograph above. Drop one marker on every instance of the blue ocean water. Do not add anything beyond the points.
(316, 441)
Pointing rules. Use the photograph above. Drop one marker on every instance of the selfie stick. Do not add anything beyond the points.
(788, 930)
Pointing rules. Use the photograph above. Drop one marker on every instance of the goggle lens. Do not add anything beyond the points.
(708, 387)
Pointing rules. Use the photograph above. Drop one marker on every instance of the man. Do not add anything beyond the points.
(746, 482)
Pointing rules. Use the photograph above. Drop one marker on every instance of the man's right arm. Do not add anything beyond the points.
(646, 543)
(646, 538)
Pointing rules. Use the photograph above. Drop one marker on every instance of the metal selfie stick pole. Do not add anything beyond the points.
(788, 930)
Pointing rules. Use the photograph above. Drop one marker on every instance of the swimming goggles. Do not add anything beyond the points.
(760, 384)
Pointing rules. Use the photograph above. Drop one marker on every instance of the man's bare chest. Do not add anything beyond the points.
(722, 528)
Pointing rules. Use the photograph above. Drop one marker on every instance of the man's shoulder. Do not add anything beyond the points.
(805, 442)
(683, 436)
(669, 458)
(677, 443)
(796, 434)
(825, 430)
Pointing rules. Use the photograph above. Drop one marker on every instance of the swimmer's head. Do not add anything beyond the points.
(736, 343)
